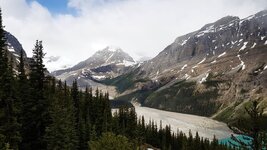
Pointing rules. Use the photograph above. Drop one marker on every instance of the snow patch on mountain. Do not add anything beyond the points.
(204, 79)
(99, 77)
(253, 45)
(241, 65)
(244, 46)
(222, 54)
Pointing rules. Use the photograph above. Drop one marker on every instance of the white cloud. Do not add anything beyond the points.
(140, 27)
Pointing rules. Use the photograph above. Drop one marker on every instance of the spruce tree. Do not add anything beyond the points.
(9, 127)
(3, 70)
(36, 107)
(60, 133)
(86, 113)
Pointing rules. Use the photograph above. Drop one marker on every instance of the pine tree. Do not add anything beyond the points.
(3, 70)
(9, 127)
(70, 116)
(23, 84)
(36, 117)
(87, 120)
(59, 134)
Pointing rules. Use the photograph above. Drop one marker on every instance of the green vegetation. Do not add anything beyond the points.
(251, 128)
(182, 97)
(110, 141)
(124, 82)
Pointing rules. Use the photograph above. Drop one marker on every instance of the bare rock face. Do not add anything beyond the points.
(212, 71)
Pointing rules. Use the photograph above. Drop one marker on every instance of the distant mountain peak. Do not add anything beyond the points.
(112, 49)
(110, 56)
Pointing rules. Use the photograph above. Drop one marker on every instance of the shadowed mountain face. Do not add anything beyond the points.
(14, 48)
(212, 71)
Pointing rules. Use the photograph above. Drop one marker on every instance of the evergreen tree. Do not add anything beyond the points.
(23, 85)
(86, 115)
(60, 133)
(9, 127)
(36, 117)
(254, 130)
(3, 70)
(110, 141)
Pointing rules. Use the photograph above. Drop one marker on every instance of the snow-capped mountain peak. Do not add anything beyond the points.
(113, 49)
(109, 62)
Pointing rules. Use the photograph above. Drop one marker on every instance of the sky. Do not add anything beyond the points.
(73, 30)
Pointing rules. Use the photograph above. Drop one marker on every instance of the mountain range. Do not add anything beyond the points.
(213, 71)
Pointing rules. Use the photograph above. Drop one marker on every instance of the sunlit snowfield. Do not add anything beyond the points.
(206, 127)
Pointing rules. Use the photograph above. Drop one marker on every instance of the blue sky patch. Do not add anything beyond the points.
(56, 6)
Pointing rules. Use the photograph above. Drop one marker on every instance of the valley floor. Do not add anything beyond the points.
(206, 127)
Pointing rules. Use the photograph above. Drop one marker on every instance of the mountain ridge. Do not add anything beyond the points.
(213, 71)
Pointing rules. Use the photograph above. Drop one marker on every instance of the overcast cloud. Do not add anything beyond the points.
(139, 27)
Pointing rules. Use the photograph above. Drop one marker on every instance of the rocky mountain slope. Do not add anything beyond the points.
(104, 64)
(212, 72)
(14, 48)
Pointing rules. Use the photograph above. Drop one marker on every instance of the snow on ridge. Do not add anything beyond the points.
(186, 76)
(233, 42)
(265, 67)
(204, 79)
(265, 42)
(109, 57)
(222, 54)
(214, 61)
(183, 67)
(185, 41)
(198, 64)
(202, 61)
(11, 48)
(254, 45)
(242, 64)
(262, 37)
(244, 46)
(127, 63)
(209, 29)
(99, 77)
